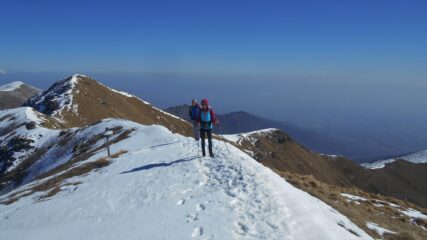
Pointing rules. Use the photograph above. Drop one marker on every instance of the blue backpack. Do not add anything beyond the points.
(194, 112)
(206, 120)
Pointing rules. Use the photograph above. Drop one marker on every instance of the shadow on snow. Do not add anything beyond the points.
(157, 165)
(164, 144)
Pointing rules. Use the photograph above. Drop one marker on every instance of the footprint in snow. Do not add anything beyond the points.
(197, 232)
(200, 207)
(192, 217)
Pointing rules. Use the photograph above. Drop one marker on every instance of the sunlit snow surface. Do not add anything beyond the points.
(11, 86)
(418, 157)
(18, 118)
(162, 189)
(250, 136)
(378, 229)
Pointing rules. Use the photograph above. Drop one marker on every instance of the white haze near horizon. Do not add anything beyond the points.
(387, 115)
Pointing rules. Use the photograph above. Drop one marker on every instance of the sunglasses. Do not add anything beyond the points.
(204, 104)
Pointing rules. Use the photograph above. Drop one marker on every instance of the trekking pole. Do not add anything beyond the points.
(196, 134)
(223, 138)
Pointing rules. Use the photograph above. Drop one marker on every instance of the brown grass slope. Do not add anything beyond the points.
(403, 180)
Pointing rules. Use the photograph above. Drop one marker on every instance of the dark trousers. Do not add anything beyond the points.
(202, 135)
(196, 130)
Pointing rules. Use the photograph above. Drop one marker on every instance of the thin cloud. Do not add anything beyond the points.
(2, 71)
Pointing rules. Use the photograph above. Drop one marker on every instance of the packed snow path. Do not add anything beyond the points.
(162, 189)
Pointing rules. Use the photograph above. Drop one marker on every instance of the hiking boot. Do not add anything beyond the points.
(212, 155)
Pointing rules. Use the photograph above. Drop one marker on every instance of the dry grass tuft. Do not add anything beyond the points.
(421, 222)
(116, 155)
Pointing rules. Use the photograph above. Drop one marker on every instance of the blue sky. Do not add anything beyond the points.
(353, 40)
(354, 69)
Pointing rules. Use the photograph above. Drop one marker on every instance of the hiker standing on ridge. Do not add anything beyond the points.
(194, 116)
(206, 120)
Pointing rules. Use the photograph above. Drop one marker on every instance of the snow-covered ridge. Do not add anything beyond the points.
(160, 182)
(145, 102)
(11, 86)
(418, 157)
(119, 92)
(238, 138)
(58, 98)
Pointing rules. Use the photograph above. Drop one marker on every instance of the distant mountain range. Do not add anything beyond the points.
(359, 149)
(296, 156)
(241, 121)
(14, 94)
(56, 143)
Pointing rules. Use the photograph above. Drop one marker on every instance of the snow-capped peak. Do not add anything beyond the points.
(58, 98)
(237, 138)
(417, 157)
(11, 86)
(78, 75)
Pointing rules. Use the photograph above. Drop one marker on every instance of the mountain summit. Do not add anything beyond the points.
(14, 94)
(79, 100)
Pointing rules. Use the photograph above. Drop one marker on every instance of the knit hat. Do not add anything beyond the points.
(205, 102)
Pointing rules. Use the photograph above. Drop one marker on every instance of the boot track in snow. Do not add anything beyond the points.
(162, 189)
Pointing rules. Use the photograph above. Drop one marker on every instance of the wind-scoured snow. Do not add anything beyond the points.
(381, 231)
(353, 197)
(418, 157)
(62, 153)
(162, 189)
(11, 86)
(58, 98)
(412, 213)
(251, 136)
(16, 120)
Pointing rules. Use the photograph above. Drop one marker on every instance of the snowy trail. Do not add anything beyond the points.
(161, 189)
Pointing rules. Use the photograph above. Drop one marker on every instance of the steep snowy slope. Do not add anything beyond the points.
(21, 134)
(161, 189)
(33, 144)
(418, 157)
